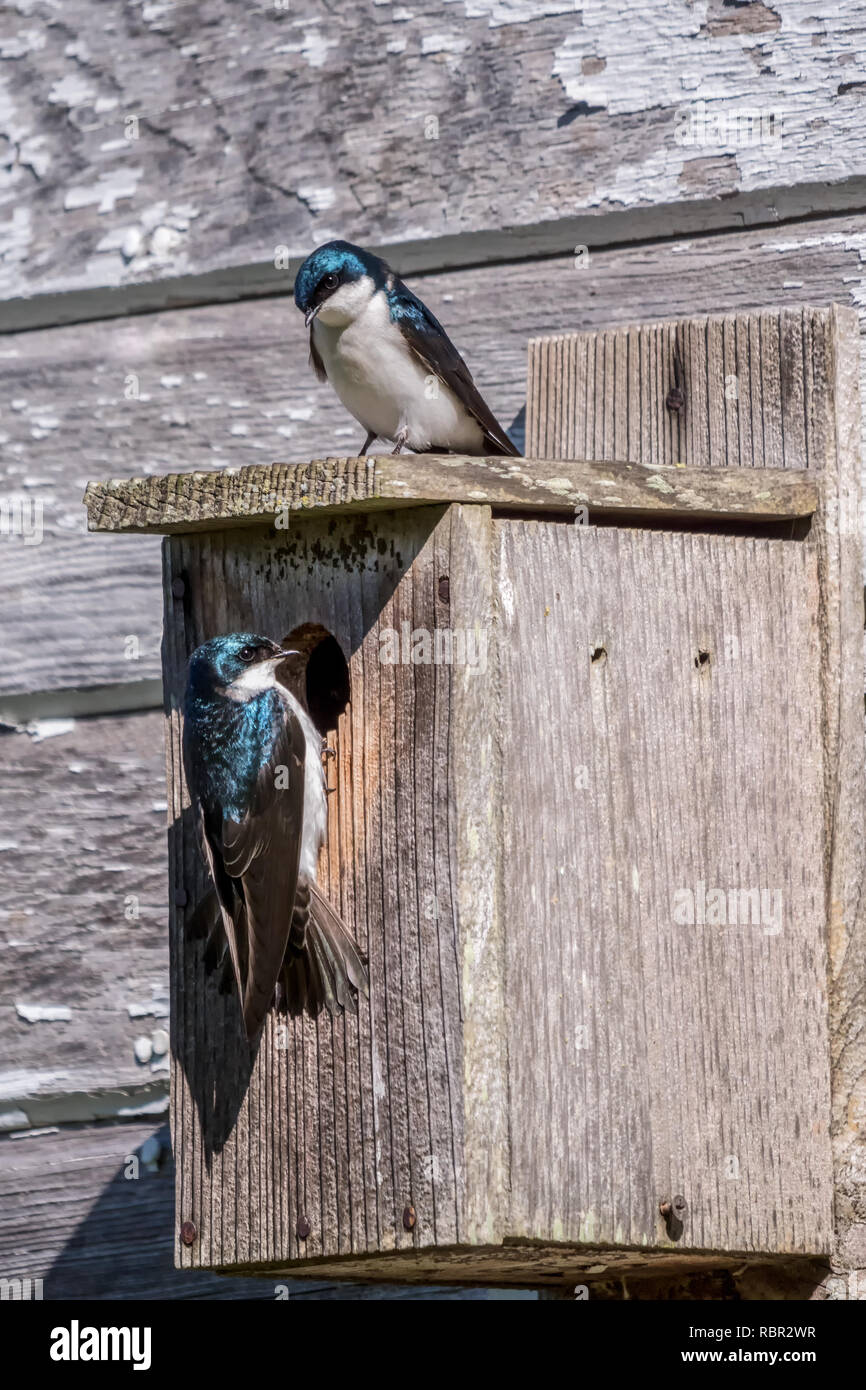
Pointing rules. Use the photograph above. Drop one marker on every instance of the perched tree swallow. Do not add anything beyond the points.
(253, 761)
(389, 360)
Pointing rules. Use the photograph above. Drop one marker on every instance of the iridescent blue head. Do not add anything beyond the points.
(244, 661)
(331, 271)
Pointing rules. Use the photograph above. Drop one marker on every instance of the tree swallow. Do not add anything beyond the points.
(253, 761)
(389, 360)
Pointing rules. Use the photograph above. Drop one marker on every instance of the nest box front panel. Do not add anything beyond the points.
(664, 888)
(338, 1136)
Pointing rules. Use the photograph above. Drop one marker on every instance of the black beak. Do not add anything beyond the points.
(311, 314)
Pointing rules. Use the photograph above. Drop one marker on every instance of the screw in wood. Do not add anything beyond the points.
(409, 1218)
(303, 1228)
(673, 1211)
(188, 1232)
(444, 588)
(178, 588)
(180, 897)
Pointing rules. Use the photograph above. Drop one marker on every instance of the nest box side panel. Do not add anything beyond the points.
(777, 388)
(664, 888)
(338, 1134)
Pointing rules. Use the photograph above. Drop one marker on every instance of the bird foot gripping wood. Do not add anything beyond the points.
(399, 440)
(328, 753)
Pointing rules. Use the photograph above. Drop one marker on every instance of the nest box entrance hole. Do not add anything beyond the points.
(319, 675)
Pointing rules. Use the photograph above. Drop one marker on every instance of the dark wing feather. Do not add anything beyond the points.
(262, 851)
(429, 341)
(230, 902)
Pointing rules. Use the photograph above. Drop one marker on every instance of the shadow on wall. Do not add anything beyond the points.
(123, 1248)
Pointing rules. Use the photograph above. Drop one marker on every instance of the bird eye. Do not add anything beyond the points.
(247, 653)
(330, 281)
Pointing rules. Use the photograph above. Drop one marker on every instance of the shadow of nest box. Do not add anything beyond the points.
(580, 824)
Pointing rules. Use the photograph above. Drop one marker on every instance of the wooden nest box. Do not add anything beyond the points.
(596, 825)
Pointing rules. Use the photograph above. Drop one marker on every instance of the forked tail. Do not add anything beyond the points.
(322, 968)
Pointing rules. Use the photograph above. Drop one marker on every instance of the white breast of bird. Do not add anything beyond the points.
(384, 384)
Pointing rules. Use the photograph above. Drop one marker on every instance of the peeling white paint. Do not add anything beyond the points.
(43, 1013)
(314, 47)
(71, 90)
(13, 1119)
(24, 42)
(443, 43)
(40, 729)
(15, 236)
(106, 192)
(499, 12)
(156, 1008)
(317, 198)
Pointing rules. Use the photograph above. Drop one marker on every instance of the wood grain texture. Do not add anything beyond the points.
(344, 1123)
(75, 1217)
(228, 386)
(747, 383)
(690, 783)
(476, 810)
(797, 402)
(839, 537)
(75, 1220)
(82, 810)
(395, 125)
(185, 503)
(649, 1055)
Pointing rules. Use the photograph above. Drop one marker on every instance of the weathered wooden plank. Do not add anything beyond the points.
(724, 404)
(799, 403)
(84, 964)
(649, 1054)
(400, 125)
(400, 1113)
(837, 441)
(183, 503)
(474, 824)
(214, 390)
(73, 1219)
(89, 1210)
